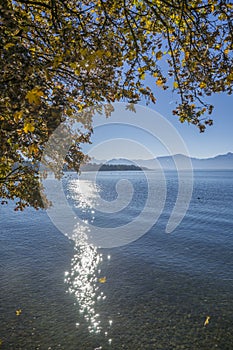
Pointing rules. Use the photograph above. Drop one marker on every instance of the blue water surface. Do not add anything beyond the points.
(154, 293)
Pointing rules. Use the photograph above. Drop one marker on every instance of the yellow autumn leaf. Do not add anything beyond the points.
(28, 127)
(34, 96)
(148, 24)
(159, 55)
(32, 49)
(33, 149)
(141, 70)
(102, 279)
(230, 77)
(56, 62)
(108, 53)
(207, 321)
(18, 116)
(222, 16)
(99, 53)
(18, 312)
(159, 82)
(202, 85)
(142, 76)
(77, 71)
(7, 46)
(187, 54)
(69, 112)
(175, 85)
(80, 107)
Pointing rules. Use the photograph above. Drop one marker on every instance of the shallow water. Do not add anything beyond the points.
(158, 290)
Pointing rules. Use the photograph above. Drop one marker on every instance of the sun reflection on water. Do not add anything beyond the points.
(84, 193)
(84, 280)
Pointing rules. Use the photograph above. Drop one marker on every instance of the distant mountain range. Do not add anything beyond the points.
(223, 161)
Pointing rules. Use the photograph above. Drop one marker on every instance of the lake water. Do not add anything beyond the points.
(154, 293)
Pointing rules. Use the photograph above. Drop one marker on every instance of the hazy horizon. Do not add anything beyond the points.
(161, 156)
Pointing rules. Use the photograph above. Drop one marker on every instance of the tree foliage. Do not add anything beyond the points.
(59, 57)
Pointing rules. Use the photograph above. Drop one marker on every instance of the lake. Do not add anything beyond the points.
(159, 292)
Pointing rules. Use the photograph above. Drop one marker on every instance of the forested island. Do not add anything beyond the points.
(111, 167)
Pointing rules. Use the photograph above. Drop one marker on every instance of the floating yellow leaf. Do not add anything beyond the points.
(207, 321)
(18, 312)
(102, 279)
(34, 96)
(28, 127)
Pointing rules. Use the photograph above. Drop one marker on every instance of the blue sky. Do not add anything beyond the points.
(217, 139)
(115, 141)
